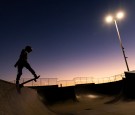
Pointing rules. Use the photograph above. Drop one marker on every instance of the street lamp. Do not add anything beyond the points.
(110, 19)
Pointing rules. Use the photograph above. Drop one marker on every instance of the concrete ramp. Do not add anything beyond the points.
(26, 103)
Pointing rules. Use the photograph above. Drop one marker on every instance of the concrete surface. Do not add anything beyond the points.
(26, 103)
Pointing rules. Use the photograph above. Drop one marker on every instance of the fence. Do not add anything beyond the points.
(85, 80)
(40, 82)
(77, 80)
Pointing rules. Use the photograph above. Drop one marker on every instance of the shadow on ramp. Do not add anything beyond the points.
(54, 94)
(26, 103)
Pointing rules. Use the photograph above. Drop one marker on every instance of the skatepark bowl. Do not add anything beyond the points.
(82, 99)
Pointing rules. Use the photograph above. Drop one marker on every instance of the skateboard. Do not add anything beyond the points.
(21, 85)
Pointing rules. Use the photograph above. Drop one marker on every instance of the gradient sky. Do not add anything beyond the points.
(69, 37)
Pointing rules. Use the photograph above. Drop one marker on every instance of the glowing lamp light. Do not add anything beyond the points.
(109, 19)
(120, 15)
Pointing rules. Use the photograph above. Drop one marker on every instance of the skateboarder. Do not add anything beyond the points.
(22, 62)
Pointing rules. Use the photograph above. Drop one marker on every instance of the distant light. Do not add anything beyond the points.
(109, 19)
(120, 15)
(92, 96)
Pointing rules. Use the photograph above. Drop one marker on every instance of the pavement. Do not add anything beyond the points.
(28, 102)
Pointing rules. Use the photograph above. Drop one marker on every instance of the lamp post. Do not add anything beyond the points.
(110, 19)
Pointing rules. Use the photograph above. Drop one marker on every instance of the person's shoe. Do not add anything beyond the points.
(35, 76)
(35, 80)
(17, 85)
(17, 82)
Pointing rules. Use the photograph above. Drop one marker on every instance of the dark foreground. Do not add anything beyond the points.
(84, 99)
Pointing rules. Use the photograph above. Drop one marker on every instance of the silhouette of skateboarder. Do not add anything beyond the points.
(22, 62)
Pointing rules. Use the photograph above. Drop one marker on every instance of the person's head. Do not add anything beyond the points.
(28, 49)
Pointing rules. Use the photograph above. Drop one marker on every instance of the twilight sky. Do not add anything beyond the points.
(69, 37)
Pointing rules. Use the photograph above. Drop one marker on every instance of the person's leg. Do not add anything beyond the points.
(19, 74)
(27, 65)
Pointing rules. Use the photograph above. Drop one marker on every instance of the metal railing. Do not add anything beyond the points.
(77, 80)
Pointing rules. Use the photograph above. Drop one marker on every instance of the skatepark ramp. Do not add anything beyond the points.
(49, 100)
(27, 102)
(54, 94)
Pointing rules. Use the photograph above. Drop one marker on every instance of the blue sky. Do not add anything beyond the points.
(69, 38)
